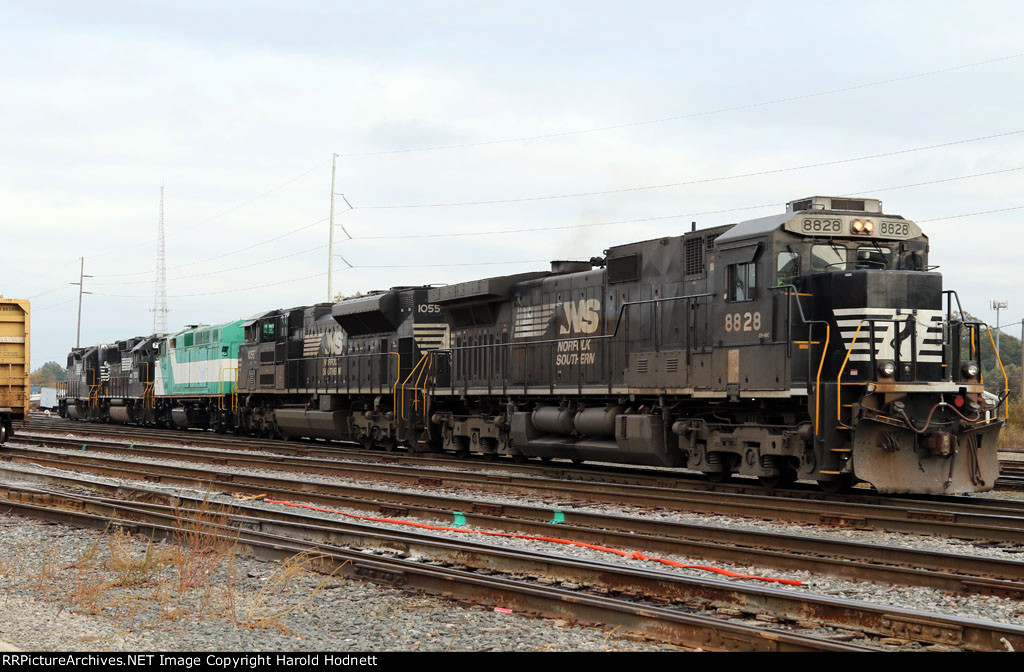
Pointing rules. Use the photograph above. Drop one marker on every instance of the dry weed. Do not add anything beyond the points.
(130, 571)
(264, 612)
(201, 545)
(87, 590)
(47, 571)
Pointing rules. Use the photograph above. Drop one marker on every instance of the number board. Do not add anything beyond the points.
(828, 225)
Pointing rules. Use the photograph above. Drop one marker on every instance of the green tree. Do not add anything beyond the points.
(1009, 353)
(49, 374)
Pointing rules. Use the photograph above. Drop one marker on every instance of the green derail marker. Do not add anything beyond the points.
(83, 447)
(459, 518)
(131, 446)
(559, 517)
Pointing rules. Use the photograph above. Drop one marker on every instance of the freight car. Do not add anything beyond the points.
(14, 363)
(814, 344)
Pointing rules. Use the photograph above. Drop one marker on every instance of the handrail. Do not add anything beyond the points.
(839, 378)
(423, 358)
(1006, 381)
(599, 337)
(824, 351)
(394, 388)
(416, 387)
(817, 382)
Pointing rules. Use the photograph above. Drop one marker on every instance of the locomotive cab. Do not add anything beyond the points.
(891, 379)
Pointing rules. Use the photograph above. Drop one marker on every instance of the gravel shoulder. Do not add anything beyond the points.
(66, 589)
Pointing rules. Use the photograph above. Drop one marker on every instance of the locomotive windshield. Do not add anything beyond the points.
(874, 256)
(836, 257)
(825, 258)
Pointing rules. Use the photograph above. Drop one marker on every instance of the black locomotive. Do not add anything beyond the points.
(814, 344)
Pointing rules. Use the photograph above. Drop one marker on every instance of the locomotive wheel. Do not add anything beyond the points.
(389, 444)
(461, 446)
(519, 458)
(718, 476)
(837, 485)
(367, 442)
(785, 479)
(578, 460)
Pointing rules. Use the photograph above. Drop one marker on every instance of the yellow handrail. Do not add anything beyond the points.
(394, 388)
(817, 384)
(423, 358)
(416, 387)
(839, 378)
(1006, 381)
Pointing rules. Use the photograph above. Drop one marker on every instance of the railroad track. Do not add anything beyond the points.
(975, 519)
(846, 559)
(603, 473)
(688, 611)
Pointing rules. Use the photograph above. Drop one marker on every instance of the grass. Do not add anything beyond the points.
(200, 547)
(129, 571)
(195, 578)
(1012, 435)
(265, 610)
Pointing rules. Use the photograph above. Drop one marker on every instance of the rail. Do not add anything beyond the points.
(420, 364)
(456, 353)
(1006, 381)
(364, 372)
(792, 291)
(839, 378)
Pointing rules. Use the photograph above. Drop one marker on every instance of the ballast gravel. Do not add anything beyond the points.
(989, 608)
(62, 592)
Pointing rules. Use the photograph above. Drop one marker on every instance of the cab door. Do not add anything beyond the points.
(742, 320)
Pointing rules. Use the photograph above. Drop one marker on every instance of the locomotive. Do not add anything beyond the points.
(813, 344)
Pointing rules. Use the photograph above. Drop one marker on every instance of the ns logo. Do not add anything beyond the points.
(334, 343)
(581, 317)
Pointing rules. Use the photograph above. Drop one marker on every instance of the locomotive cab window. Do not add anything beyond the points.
(870, 256)
(827, 258)
(268, 331)
(742, 282)
(787, 268)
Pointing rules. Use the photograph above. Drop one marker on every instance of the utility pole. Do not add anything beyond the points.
(330, 253)
(80, 283)
(997, 306)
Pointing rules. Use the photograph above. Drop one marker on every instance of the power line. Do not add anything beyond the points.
(679, 117)
(50, 291)
(971, 214)
(320, 275)
(224, 270)
(226, 254)
(219, 215)
(706, 180)
(55, 305)
(677, 216)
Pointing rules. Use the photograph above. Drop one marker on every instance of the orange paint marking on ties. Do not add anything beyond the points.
(635, 555)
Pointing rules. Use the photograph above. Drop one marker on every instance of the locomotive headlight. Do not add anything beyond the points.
(869, 226)
(886, 368)
(858, 225)
(970, 369)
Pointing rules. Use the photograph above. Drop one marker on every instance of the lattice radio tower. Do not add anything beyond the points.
(160, 299)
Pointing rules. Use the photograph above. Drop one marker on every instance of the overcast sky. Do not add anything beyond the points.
(236, 108)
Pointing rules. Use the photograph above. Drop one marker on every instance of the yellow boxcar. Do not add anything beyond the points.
(14, 363)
